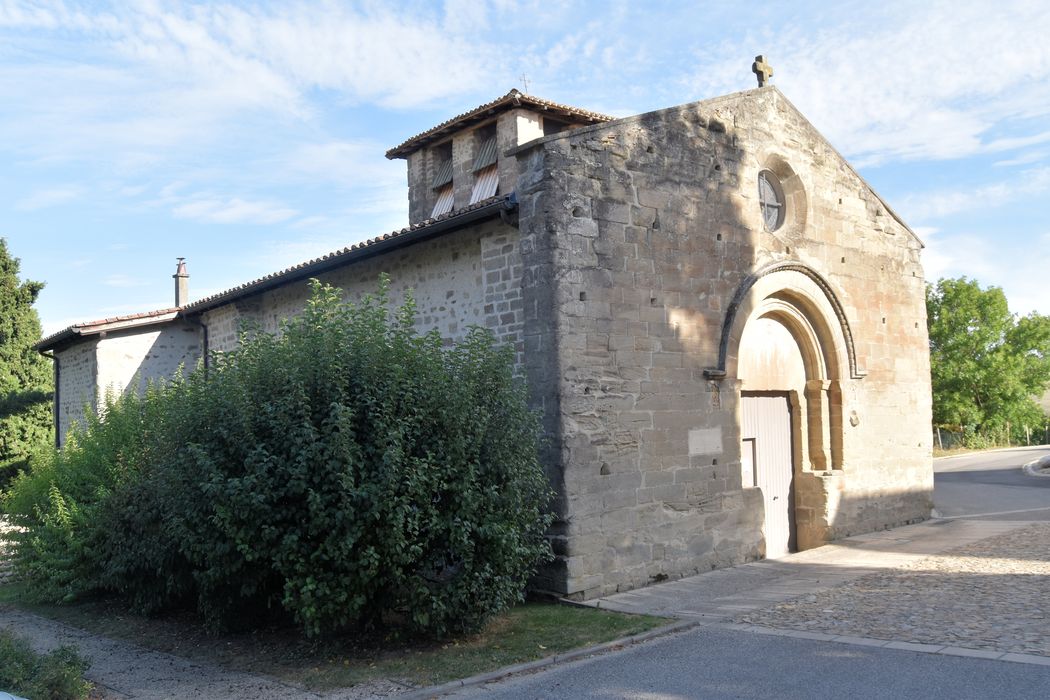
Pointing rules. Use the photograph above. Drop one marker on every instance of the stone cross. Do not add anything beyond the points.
(763, 70)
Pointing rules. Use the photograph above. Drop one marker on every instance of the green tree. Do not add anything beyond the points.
(26, 379)
(987, 365)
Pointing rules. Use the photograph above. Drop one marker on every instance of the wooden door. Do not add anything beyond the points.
(766, 451)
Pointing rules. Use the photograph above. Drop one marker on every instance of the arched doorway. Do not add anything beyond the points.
(771, 370)
(788, 347)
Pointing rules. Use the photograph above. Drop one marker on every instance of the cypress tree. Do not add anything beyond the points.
(26, 377)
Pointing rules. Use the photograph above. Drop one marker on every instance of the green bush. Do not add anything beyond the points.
(62, 497)
(344, 471)
(58, 675)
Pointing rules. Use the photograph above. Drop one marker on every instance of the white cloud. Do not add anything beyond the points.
(1024, 278)
(43, 199)
(933, 205)
(153, 76)
(1026, 158)
(465, 16)
(311, 222)
(123, 281)
(907, 80)
(1009, 144)
(1017, 267)
(272, 256)
(220, 210)
(951, 256)
(132, 190)
(349, 164)
(50, 326)
(53, 325)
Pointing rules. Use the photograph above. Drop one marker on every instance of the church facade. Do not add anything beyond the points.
(722, 324)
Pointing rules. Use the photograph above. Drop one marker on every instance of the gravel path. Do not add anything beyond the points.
(990, 594)
(123, 670)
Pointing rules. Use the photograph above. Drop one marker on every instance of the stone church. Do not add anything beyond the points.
(722, 323)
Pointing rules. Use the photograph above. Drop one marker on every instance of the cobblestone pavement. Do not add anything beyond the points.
(727, 594)
(988, 595)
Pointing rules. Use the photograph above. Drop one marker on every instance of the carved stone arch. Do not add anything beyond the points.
(801, 288)
(785, 334)
(811, 339)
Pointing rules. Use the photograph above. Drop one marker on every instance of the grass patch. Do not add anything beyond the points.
(58, 675)
(524, 633)
(952, 452)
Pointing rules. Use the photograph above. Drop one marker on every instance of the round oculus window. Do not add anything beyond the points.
(771, 200)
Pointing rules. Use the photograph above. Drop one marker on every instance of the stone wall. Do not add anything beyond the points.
(466, 278)
(77, 372)
(513, 127)
(651, 224)
(94, 366)
(129, 359)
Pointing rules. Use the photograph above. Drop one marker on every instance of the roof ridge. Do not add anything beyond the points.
(73, 329)
(513, 98)
(507, 199)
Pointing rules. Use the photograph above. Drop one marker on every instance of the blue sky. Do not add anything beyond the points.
(249, 137)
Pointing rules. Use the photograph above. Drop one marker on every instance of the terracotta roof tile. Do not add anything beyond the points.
(86, 327)
(336, 256)
(512, 99)
(500, 202)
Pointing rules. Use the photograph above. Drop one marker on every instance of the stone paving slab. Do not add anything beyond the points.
(985, 595)
(723, 595)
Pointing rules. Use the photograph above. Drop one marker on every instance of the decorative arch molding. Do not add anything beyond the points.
(739, 299)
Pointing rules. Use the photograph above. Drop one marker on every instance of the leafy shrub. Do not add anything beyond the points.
(343, 470)
(57, 675)
(62, 496)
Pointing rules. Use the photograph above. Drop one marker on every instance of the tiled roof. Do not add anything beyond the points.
(92, 327)
(453, 219)
(484, 208)
(512, 99)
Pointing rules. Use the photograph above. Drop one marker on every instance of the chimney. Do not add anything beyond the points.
(182, 284)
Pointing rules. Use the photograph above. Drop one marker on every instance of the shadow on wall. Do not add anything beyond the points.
(130, 361)
(650, 247)
(877, 510)
(125, 361)
(633, 246)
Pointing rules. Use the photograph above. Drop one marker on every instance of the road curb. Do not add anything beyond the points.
(482, 678)
(1036, 467)
(941, 649)
(980, 452)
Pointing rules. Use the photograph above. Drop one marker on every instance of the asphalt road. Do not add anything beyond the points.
(710, 663)
(991, 485)
(716, 663)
